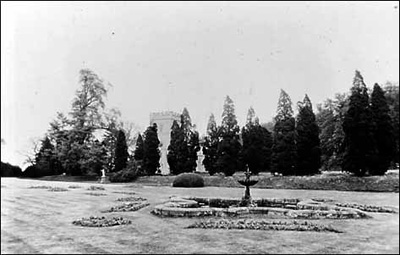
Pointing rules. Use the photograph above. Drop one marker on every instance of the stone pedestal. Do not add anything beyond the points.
(104, 179)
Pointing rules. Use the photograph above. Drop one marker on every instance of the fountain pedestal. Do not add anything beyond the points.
(246, 199)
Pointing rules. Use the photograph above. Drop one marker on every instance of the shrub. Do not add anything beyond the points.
(125, 175)
(8, 170)
(188, 180)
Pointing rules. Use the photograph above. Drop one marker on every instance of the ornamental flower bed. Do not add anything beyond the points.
(94, 221)
(263, 225)
(57, 189)
(40, 187)
(127, 207)
(74, 187)
(96, 188)
(123, 192)
(131, 199)
(96, 194)
(367, 208)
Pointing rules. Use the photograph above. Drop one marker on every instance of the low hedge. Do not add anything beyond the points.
(188, 180)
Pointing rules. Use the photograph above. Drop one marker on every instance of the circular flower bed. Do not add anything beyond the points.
(127, 207)
(367, 208)
(57, 189)
(95, 194)
(131, 199)
(123, 192)
(40, 187)
(96, 188)
(263, 225)
(94, 221)
(74, 187)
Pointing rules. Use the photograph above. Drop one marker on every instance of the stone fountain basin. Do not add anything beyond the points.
(247, 182)
(287, 208)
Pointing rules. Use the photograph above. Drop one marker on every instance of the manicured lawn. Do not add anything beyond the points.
(40, 221)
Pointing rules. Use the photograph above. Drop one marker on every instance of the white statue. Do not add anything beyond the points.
(103, 173)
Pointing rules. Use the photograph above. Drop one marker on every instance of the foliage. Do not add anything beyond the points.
(330, 118)
(284, 147)
(358, 129)
(392, 97)
(383, 132)
(151, 151)
(188, 180)
(257, 145)
(210, 146)
(8, 170)
(229, 148)
(128, 174)
(45, 160)
(138, 154)
(307, 140)
(121, 152)
(184, 145)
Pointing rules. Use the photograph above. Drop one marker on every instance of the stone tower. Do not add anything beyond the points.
(164, 121)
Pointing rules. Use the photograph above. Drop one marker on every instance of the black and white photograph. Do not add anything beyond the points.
(200, 127)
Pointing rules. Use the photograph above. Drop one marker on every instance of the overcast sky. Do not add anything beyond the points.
(170, 55)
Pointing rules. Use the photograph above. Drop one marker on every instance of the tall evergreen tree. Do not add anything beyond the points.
(191, 143)
(121, 152)
(392, 97)
(284, 147)
(307, 140)
(174, 157)
(229, 149)
(138, 153)
(257, 143)
(210, 146)
(151, 151)
(45, 158)
(383, 132)
(358, 128)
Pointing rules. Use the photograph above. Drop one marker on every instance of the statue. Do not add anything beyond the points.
(103, 176)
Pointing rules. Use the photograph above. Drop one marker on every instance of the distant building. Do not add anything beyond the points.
(164, 121)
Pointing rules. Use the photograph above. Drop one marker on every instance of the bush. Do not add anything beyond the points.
(188, 180)
(8, 170)
(128, 174)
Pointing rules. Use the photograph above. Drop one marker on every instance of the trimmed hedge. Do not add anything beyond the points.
(125, 175)
(188, 180)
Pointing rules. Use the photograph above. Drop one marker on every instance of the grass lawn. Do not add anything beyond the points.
(40, 221)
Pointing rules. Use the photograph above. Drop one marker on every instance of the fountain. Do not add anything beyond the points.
(246, 199)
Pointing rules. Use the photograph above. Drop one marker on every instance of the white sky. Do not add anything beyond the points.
(171, 55)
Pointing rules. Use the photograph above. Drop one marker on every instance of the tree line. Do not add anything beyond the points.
(356, 132)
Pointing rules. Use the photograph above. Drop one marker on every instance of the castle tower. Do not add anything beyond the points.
(164, 121)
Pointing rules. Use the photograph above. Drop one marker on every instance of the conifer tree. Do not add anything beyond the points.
(210, 147)
(151, 151)
(45, 158)
(174, 156)
(191, 143)
(229, 149)
(138, 153)
(383, 132)
(359, 142)
(392, 97)
(121, 152)
(257, 143)
(307, 140)
(284, 147)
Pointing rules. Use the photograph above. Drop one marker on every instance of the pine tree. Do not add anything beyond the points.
(151, 151)
(383, 132)
(210, 146)
(174, 156)
(392, 97)
(307, 140)
(121, 152)
(138, 153)
(257, 143)
(229, 149)
(45, 158)
(191, 146)
(359, 143)
(284, 147)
